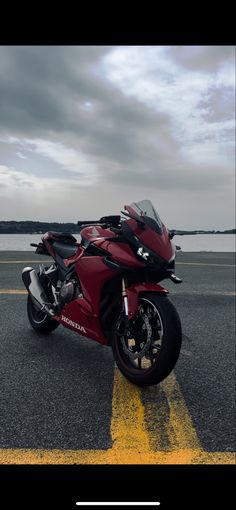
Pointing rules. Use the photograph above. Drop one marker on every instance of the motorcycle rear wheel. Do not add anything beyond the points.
(146, 362)
(39, 321)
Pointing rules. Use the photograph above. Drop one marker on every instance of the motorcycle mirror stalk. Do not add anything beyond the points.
(175, 278)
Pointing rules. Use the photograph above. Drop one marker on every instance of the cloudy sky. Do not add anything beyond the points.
(87, 129)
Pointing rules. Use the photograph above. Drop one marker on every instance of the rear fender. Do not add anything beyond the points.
(135, 290)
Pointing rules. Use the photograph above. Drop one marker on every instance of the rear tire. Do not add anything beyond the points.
(40, 321)
(168, 353)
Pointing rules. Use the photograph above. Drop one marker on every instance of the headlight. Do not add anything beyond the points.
(143, 253)
(152, 259)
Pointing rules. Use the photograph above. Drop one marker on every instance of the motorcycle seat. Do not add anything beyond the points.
(65, 250)
(65, 237)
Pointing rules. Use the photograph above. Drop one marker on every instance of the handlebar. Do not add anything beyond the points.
(93, 222)
(113, 220)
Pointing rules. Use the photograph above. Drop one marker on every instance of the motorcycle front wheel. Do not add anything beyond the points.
(150, 350)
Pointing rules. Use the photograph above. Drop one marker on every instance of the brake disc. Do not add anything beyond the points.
(140, 354)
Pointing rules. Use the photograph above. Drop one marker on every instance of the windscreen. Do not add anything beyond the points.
(147, 213)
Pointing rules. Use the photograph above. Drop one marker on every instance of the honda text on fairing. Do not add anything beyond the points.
(106, 288)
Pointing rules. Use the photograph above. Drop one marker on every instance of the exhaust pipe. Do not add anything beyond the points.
(35, 289)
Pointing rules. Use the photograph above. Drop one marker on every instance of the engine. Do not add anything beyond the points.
(62, 292)
(68, 291)
(48, 292)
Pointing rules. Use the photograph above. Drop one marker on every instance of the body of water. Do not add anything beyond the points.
(198, 242)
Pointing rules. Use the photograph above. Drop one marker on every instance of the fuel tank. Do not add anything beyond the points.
(95, 232)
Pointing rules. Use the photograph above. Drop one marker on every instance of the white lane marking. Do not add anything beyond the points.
(201, 293)
(203, 264)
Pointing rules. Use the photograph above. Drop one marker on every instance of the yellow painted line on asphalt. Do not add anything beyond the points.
(13, 291)
(21, 456)
(22, 291)
(41, 261)
(131, 440)
(127, 424)
(24, 456)
(179, 426)
(168, 420)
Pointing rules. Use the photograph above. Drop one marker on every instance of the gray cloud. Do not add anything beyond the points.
(62, 95)
(42, 91)
(208, 58)
(41, 95)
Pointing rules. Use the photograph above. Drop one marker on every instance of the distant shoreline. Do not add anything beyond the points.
(40, 227)
(192, 232)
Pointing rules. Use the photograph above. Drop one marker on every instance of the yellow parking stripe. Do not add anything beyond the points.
(127, 424)
(21, 291)
(42, 261)
(20, 456)
(182, 436)
(131, 441)
(13, 291)
(24, 456)
(168, 420)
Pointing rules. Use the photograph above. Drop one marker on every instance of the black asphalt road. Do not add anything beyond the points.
(56, 391)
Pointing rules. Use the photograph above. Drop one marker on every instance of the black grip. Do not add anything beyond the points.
(88, 222)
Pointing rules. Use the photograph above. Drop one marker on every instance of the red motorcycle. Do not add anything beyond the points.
(106, 288)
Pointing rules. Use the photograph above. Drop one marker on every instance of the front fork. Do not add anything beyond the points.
(131, 294)
(125, 298)
(130, 297)
(124, 328)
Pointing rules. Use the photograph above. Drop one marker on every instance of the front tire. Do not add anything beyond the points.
(159, 326)
(40, 321)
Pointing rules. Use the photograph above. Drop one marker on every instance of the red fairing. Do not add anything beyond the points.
(159, 243)
(93, 274)
(75, 257)
(133, 294)
(80, 317)
(121, 252)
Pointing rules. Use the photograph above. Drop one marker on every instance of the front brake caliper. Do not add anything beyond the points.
(140, 345)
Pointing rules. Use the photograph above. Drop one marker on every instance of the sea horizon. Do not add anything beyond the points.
(188, 243)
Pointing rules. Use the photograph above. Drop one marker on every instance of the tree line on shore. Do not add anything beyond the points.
(39, 227)
(35, 227)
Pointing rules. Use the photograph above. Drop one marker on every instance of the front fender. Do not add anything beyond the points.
(133, 295)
